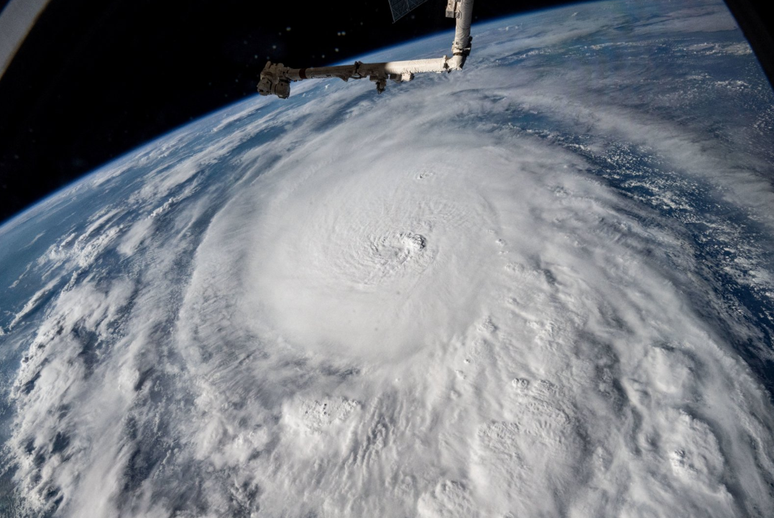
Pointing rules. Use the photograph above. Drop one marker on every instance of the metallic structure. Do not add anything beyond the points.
(401, 8)
(276, 77)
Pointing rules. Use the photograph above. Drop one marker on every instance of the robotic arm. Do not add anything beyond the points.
(276, 78)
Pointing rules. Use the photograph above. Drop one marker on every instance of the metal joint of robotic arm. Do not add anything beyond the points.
(274, 80)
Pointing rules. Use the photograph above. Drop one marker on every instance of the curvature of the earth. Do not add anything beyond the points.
(542, 286)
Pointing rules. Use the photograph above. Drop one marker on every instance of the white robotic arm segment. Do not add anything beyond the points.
(462, 10)
(276, 78)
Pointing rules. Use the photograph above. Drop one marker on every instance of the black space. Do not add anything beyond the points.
(96, 78)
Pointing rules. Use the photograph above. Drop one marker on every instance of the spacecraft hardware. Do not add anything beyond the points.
(276, 78)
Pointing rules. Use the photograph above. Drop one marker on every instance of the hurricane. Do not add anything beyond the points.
(542, 286)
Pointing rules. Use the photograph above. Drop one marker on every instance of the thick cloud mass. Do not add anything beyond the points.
(540, 287)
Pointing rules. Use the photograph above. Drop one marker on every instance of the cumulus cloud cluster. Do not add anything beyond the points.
(538, 287)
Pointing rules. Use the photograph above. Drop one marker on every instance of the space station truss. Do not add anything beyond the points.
(401, 8)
